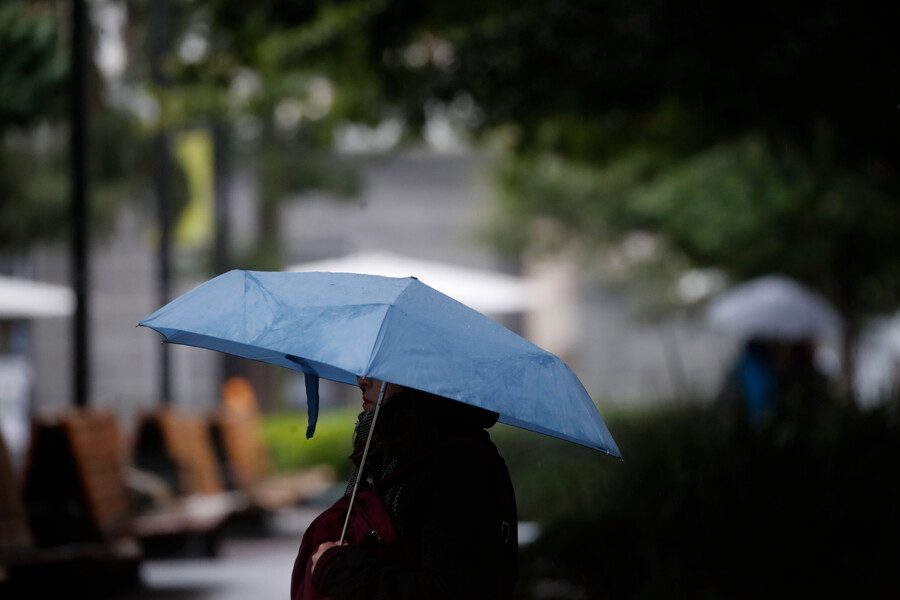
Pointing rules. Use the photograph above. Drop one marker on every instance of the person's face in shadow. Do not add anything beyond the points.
(370, 389)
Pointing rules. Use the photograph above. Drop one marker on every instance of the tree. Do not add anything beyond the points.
(34, 181)
(731, 142)
(227, 71)
(32, 72)
(32, 90)
(749, 137)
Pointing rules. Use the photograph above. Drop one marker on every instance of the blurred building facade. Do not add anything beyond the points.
(424, 205)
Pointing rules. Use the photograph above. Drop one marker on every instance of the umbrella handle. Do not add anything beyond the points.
(362, 463)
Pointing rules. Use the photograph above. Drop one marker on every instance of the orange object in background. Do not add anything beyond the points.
(237, 433)
(241, 436)
(238, 395)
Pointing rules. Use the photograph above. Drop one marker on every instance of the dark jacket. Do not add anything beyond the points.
(455, 509)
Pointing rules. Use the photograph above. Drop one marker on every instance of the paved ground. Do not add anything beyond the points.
(248, 568)
(252, 563)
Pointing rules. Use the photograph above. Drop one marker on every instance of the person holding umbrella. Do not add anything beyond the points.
(436, 481)
(448, 492)
(775, 378)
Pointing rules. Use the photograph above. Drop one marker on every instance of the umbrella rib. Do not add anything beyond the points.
(381, 327)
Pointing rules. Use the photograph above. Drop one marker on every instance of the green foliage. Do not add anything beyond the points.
(34, 165)
(263, 74)
(751, 144)
(745, 207)
(32, 91)
(191, 92)
(553, 478)
(32, 69)
(753, 210)
(545, 471)
(35, 179)
(285, 437)
(285, 50)
(589, 78)
(720, 138)
(701, 509)
(44, 193)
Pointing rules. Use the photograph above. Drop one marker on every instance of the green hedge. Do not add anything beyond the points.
(526, 453)
(289, 450)
(702, 509)
(698, 508)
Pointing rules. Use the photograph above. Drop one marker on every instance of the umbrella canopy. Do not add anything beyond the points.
(340, 326)
(26, 299)
(775, 307)
(485, 291)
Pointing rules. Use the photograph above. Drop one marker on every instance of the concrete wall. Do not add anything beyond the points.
(124, 359)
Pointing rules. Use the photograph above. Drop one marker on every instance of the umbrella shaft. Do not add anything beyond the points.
(362, 463)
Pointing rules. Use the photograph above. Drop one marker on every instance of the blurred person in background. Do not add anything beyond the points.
(774, 380)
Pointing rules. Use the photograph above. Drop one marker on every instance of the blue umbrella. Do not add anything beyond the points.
(341, 325)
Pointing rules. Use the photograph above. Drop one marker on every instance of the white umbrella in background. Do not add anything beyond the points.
(775, 307)
(26, 299)
(486, 291)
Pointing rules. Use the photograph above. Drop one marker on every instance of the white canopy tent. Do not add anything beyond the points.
(26, 299)
(486, 291)
(23, 299)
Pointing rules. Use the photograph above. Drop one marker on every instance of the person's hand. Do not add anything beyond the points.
(321, 550)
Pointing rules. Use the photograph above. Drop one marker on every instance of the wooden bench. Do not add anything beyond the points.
(236, 430)
(177, 448)
(74, 479)
(73, 510)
